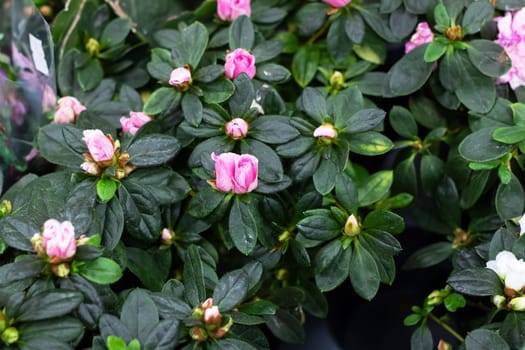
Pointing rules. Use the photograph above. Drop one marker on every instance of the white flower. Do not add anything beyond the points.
(509, 269)
(522, 224)
(515, 278)
(503, 263)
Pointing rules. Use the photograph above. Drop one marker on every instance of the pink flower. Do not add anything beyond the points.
(100, 147)
(422, 36)
(49, 98)
(229, 10)
(239, 61)
(326, 130)
(237, 128)
(58, 240)
(337, 3)
(134, 122)
(234, 172)
(68, 109)
(212, 316)
(180, 77)
(511, 36)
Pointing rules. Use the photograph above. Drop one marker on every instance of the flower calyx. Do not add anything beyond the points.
(454, 33)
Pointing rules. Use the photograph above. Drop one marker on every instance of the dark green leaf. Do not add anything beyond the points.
(485, 339)
(319, 227)
(230, 290)
(192, 109)
(429, 256)
(510, 199)
(477, 14)
(241, 33)
(139, 314)
(479, 281)
(151, 267)
(304, 64)
(513, 329)
(384, 220)
(364, 273)
(115, 32)
(488, 57)
(480, 147)
(243, 225)
(161, 99)
(475, 90)
(421, 339)
(332, 265)
(410, 73)
(403, 122)
(48, 304)
(364, 120)
(195, 290)
(286, 327)
(153, 149)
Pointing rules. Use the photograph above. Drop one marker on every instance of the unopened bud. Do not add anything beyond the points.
(435, 298)
(221, 332)
(198, 313)
(454, 33)
(93, 47)
(499, 301)
(443, 345)
(517, 304)
(281, 274)
(5, 208)
(198, 334)
(337, 80)
(212, 316)
(167, 236)
(37, 242)
(352, 227)
(61, 270)
(10, 336)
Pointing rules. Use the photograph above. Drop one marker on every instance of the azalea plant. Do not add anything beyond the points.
(199, 175)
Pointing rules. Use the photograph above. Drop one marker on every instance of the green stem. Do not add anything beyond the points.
(320, 32)
(446, 327)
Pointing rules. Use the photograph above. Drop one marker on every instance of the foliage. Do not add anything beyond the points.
(215, 201)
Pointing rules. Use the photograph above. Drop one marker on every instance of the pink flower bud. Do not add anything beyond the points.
(234, 172)
(49, 98)
(229, 10)
(239, 61)
(237, 128)
(212, 316)
(337, 3)
(90, 168)
(180, 77)
(59, 240)
(167, 236)
(99, 145)
(422, 36)
(68, 109)
(64, 115)
(207, 304)
(135, 121)
(326, 130)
